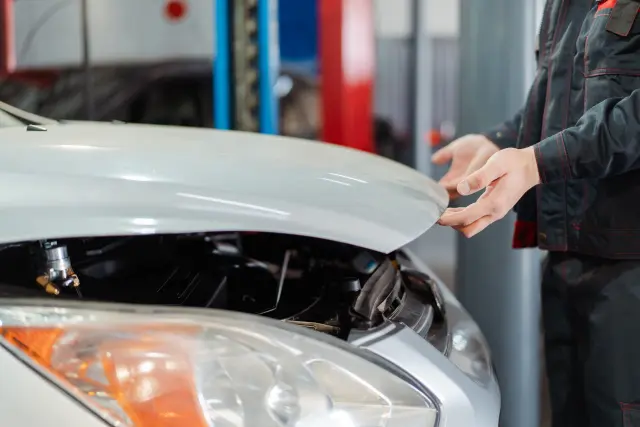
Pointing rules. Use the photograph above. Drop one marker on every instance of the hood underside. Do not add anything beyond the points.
(98, 179)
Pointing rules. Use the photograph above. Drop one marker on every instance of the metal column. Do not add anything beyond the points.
(347, 65)
(500, 286)
(420, 93)
(87, 69)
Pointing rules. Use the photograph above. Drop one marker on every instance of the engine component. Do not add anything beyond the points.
(350, 284)
(365, 263)
(317, 284)
(193, 288)
(429, 291)
(320, 327)
(429, 296)
(57, 272)
(410, 309)
(379, 291)
(283, 275)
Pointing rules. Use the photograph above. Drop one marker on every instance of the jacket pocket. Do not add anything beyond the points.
(611, 61)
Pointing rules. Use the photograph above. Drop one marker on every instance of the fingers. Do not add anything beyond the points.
(452, 177)
(481, 178)
(461, 220)
(479, 160)
(442, 156)
(453, 193)
(488, 190)
(476, 227)
(476, 163)
(464, 217)
(503, 177)
(453, 210)
(450, 183)
(491, 204)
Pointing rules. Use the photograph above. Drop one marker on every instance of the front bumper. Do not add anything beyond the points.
(467, 396)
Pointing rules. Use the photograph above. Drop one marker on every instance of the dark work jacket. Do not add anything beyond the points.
(582, 116)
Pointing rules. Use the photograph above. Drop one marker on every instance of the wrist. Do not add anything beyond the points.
(487, 144)
(501, 138)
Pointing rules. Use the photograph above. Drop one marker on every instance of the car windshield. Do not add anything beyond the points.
(12, 116)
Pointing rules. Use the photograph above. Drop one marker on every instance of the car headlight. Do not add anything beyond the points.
(157, 368)
(469, 349)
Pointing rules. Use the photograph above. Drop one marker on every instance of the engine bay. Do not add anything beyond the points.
(327, 286)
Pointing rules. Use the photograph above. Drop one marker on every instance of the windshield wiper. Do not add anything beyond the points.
(25, 117)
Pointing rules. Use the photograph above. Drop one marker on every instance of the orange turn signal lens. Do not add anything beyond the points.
(134, 376)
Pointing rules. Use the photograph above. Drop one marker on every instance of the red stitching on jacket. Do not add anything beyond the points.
(559, 23)
(585, 71)
(585, 90)
(616, 230)
(563, 15)
(527, 123)
(559, 147)
(565, 123)
(544, 28)
(541, 164)
(565, 154)
(612, 71)
(544, 53)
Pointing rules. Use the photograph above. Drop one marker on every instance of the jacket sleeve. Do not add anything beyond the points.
(604, 142)
(506, 134)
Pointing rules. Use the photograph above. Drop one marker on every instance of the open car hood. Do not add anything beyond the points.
(99, 179)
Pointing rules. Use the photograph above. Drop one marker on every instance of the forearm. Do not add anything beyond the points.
(604, 142)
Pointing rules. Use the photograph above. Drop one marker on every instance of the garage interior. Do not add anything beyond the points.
(399, 78)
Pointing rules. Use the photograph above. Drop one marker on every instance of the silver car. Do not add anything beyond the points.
(170, 277)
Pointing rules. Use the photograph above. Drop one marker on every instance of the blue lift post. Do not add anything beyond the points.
(244, 95)
(298, 22)
(221, 67)
(500, 286)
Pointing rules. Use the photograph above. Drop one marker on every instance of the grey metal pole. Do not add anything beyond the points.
(86, 62)
(498, 285)
(420, 87)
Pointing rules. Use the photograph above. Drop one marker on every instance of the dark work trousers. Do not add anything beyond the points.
(591, 317)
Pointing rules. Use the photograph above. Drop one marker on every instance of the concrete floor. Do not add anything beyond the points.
(438, 249)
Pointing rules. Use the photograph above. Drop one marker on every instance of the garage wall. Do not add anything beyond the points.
(392, 81)
(393, 18)
(393, 28)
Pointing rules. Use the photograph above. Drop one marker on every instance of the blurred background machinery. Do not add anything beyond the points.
(152, 61)
(395, 77)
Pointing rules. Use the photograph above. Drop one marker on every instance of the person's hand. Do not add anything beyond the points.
(506, 176)
(466, 154)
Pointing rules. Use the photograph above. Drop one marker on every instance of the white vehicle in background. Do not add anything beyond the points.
(165, 276)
